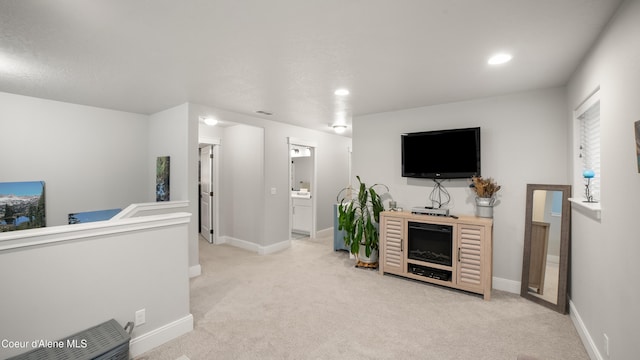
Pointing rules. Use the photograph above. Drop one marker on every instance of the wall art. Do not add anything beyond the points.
(91, 216)
(162, 178)
(637, 124)
(22, 205)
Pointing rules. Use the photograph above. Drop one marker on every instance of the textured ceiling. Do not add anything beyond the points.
(288, 56)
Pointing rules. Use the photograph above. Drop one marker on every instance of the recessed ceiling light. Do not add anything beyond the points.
(341, 92)
(499, 59)
(12, 66)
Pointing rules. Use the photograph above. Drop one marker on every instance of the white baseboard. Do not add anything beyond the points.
(507, 285)
(325, 232)
(154, 338)
(194, 271)
(273, 248)
(586, 338)
(253, 247)
(242, 244)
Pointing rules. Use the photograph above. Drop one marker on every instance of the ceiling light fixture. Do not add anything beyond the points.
(339, 128)
(499, 59)
(341, 92)
(209, 120)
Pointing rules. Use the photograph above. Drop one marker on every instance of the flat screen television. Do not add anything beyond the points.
(441, 154)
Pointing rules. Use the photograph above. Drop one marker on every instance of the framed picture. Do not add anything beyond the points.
(91, 216)
(162, 178)
(22, 205)
(637, 126)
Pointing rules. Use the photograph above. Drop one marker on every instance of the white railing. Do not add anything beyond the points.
(63, 233)
(75, 276)
(150, 208)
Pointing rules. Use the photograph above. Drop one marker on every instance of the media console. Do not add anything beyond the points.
(453, 252)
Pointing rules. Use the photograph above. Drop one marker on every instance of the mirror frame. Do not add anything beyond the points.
(562, 303)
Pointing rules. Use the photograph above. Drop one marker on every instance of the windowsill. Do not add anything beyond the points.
(592, 209)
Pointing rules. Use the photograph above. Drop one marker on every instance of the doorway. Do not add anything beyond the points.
(208, 192)
(302, 186)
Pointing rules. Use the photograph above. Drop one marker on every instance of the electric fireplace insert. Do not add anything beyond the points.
(430, 243)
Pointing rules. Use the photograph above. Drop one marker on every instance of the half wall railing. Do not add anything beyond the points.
(59, 280)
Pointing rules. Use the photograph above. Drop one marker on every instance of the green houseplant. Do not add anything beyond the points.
(359, 217)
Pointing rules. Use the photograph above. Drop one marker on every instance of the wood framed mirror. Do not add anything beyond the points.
(547, 237)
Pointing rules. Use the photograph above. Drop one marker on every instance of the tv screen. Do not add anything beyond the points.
(442, 154)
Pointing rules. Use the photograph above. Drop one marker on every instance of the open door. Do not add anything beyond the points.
(207, 193)
(303, 185)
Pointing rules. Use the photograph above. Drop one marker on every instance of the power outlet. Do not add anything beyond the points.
(606, 345)
(141, 317)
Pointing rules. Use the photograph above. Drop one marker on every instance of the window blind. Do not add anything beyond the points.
(590, 145)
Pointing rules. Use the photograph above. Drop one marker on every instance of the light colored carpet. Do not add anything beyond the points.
(309, 302)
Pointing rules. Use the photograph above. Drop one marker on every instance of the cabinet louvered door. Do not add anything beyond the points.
(470, 257)
(392, 232)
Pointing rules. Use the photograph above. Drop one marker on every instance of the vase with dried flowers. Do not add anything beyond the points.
(485, 189)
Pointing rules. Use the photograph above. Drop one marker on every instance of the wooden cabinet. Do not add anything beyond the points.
(470, 270)
(470, 266)
(393, 247)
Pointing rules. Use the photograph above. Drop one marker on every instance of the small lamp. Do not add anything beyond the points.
(588, 175)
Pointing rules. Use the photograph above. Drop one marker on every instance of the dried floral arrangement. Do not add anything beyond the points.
(484, 188)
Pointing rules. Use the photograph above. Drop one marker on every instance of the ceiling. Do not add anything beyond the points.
(287, 57)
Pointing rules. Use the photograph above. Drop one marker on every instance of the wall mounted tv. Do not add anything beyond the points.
(442, 154)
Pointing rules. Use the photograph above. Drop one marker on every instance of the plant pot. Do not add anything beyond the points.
(362, 256)
(484, 207)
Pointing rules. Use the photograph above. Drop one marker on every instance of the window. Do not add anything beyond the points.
(587, 116)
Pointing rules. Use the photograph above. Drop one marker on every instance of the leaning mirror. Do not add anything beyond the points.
(546, 246)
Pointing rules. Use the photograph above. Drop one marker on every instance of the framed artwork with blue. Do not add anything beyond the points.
(92, 216)
(22, 205)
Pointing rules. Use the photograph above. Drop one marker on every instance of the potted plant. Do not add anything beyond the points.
(485, 190)
(359, 217)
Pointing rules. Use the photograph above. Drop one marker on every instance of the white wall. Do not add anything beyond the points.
(193, 194)
(332, 171)
(209, 132)
(167, 136)
(523, 140)
(241, 177)
(242, 183)
(89, 158)
(171, 134)
(604, 267)
(93, 159)
(60, 280)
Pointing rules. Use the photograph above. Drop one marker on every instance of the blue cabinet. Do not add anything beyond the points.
(338, 235)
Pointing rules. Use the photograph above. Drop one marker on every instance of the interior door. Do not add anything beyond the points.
(207, 193)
